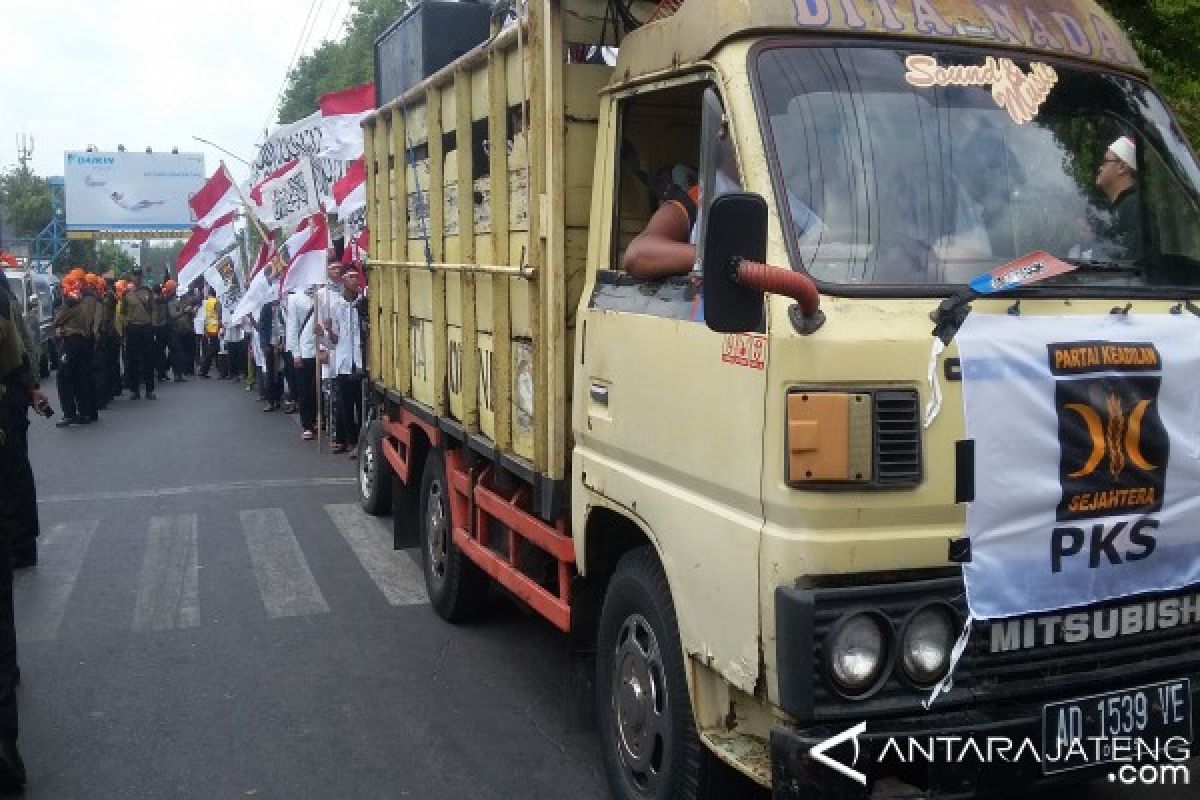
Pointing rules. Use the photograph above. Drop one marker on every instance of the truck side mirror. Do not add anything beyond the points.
(735, 229)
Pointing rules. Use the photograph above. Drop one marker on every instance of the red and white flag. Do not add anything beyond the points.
(287, 196)
(216, 198)
(201, 250)
(350, 193)
(341, 121)
(306, 254)
(355, 251)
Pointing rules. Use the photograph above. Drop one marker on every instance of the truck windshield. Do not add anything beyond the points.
(928, 168)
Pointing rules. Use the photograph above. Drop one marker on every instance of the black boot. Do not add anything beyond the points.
(12, 768)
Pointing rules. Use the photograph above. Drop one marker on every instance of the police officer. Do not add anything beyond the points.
(136, 312)
(26, 526)
(18, 391)
(161, 331)
(74, 325)
(180, 311)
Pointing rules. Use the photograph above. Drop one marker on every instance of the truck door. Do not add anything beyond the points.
(669, 415)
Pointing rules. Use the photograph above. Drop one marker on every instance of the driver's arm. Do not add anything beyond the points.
(662, 248)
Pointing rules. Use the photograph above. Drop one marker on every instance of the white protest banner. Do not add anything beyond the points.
(287, 196)
(223, 277)
(1087, 458)
(304, 137)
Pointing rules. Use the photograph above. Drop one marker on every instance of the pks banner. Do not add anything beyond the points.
(1087, 458)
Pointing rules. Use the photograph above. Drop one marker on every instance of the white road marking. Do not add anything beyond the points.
(168, 594)
(210, 488)
(43, 592)
(285, 582)
(394, 572)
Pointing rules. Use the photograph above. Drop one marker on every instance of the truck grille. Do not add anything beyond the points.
(897, 438)
(983, 678)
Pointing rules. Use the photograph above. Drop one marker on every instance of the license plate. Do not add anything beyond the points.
(1127, 726)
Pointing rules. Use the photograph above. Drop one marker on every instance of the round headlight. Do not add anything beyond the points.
(926, 644)
(858, 653)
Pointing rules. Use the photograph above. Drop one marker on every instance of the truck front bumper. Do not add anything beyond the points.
(891, 757)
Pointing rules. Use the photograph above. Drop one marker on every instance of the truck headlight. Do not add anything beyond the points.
(925, 645)
(858, 652)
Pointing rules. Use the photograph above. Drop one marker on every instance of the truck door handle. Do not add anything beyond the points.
(599, 394)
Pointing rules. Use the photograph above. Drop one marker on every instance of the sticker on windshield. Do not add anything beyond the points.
(1025, 270)
(1020, 93)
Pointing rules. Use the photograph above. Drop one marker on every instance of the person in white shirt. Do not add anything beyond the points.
(302, 345)
(345, 331)
(327, 297)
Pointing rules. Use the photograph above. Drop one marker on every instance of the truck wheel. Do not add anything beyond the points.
(456, 586)
(647, 735)
(374, 472)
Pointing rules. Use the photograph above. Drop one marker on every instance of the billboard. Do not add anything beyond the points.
(131, 191)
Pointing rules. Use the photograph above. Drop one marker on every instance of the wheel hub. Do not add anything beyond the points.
(366, 469)
(640, 702)
(438, 534)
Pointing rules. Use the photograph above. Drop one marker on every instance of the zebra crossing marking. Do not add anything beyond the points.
(285, 582)
(168, 592)
(46, 590)
(393, 571)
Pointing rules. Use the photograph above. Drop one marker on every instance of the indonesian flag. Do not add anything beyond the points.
(286, 196)
(201, 249)
(306, 254)
(356, 249)
(341, 121)
(350, 193)
(258, 294)
(216, 198)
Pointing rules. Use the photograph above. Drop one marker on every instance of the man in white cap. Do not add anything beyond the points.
(1117, 178)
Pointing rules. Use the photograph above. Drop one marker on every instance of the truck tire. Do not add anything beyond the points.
(648, 737)
(374, 472)
(457, 587)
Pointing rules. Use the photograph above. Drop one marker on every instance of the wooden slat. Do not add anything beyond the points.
(466, 244)
(437, 241)
(375, 359)
(554, 226)
(501, 372)
(536, 72)
(400, 282)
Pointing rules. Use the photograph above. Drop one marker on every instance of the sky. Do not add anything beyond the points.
(152, 73)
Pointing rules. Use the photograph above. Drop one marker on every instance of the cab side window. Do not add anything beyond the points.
(658, 167)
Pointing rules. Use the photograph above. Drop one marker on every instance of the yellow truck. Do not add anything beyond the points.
(763, 498)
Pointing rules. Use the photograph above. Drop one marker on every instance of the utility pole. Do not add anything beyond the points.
(24, 149)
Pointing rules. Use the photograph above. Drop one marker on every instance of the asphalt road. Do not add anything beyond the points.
(213, 617)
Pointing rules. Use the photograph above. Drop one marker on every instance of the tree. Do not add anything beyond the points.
(158, 256)
(27, 198)
(1166, 34)
(339, 64)
(111, 256)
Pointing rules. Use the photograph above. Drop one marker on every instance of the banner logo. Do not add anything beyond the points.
(1114, 448)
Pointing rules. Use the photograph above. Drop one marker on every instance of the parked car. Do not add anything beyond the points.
(35, 292)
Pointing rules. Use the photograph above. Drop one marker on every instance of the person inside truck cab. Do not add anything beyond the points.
(667, 245)
(1116, 177)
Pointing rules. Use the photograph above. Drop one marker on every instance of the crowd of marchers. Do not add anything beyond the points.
(302, 351)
